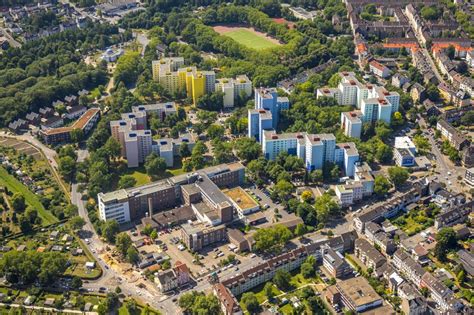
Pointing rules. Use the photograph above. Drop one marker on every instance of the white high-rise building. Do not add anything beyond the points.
(375, 102)
(234, 88)
(314, 149)
(351, 123)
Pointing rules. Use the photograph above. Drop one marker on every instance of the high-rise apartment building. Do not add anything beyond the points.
(135, 139)
(268, 106)
(314, 149)
(234, 88)
(374, 102)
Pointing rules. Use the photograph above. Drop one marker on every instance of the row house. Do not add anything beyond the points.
(443, 296)
(392, 207)
(227, 301)
(266, 271)
(287, 261)
(456, 214)
(408, 266)
(369, 255)
(456, 139)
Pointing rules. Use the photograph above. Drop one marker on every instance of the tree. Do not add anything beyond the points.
(247, 149)
(123, 242)
(283, 189)
(184, 150)
(110, 230)
(154, 164)
(282, 279)
(397, 119)
(381, 185)
(76, 283)
(382, 130)
(67, 167)
(18, 202)
(131, 306)
(398, 175)
(325, 205)
(307, 270)
(432, 92)
(300, 229)
(154, 235)
(76, 223)
(113, 148)
(383, 153)
(76, 135)
(430, 13)
(215, 131)
(445, 241)
(127, 181)
(451, 51)
(461, 276)
(25, 224)
(132, 255)
(334, 80)
(197, 303)
(128, 68)
(250, 302)
(422, 144)
(316, 176)
(268, 289)
(272, 239)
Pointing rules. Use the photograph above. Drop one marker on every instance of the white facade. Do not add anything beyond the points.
(375, 102)
(119, 211)
(405, 143)
(234, 88)
(352, 124)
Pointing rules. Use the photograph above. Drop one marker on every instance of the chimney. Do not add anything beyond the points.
(150, 207)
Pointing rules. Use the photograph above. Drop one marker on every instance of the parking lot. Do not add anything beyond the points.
(207, 261)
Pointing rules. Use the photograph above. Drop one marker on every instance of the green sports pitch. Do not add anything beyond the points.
(250, 39)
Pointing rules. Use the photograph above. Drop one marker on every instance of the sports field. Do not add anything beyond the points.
(248, 37)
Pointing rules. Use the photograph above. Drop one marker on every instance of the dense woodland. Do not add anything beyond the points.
(48, 69)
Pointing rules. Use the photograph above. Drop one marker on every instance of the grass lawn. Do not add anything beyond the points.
(15, 186)
(287, 309)
(413, 222)
(250, 39)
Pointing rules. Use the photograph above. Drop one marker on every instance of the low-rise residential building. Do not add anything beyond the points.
(335, 263)
(357, 294)
(414, 306)
(467, 261)
(392, 207)
(443, 296)
(403, 157)
(417, 93)
(63, 134)
(227, 300)
(379, 69)
(369, 255)
(408, 266)
(454, 215)
(398, 80)
(166, 280)
(469, 176)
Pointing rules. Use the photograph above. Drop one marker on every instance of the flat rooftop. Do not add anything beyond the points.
(241, 198)
(358, 290)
